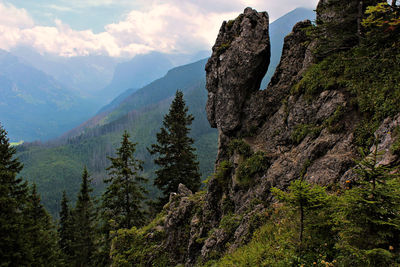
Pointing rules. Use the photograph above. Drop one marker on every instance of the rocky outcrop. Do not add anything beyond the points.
(239, 60)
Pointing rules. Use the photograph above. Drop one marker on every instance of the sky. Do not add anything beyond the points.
(124, 28)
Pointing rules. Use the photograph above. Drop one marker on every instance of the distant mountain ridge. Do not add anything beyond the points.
(33, 105)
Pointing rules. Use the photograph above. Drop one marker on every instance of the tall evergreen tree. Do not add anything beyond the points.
(84, 216)
(41, 232)
(14, 249)
(122, 202)
(176, 157)
(65, 230)
(125, 193)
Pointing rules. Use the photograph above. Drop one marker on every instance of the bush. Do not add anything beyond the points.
(253, 165)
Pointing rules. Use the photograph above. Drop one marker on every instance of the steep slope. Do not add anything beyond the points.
(317, 111)
(34, 106)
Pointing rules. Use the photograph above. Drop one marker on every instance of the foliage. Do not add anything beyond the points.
(368, 216)
(14, 247)
(65, 231)
(41, 232)
(369, 72)
(222, 175)
(132, 247)
(395, 148)
(382, 21)
(302, 130)
(256, 163)
(239, 146)
(122, 200)
(84, 224)
(176, 157)
(309, 203)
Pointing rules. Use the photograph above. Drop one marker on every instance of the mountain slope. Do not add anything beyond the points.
(35, 106)
(136, 73)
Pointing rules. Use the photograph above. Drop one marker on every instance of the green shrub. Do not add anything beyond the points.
(223, 173)
(302, 130)
(239, 146)
(251, 166)
(230, 222)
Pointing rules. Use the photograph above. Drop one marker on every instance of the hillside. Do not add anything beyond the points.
(33, 105)
(307, 171)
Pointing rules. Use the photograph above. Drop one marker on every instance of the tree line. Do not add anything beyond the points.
(84, 232)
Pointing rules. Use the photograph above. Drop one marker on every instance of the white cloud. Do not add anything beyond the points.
(14, 17)
(173, 26)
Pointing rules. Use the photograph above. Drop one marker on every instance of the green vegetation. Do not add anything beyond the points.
(248, 168)
(239, 146)
(124, 196)
(175, 154)
(302, 130)
(56, 167)
(27, 233)
(222, 175)
(369, 72)
(356, 226)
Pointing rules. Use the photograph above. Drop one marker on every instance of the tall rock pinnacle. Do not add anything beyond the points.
(239, 61)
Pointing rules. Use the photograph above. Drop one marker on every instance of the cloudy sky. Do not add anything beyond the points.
(124, 28)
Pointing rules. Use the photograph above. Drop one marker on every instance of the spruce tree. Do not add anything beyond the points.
(14, 248)
(41, 232)
(65, 230)
(368, 216)
(84, 217)
(176, 158)
(122, 200)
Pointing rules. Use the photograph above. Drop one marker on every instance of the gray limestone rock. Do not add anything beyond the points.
(236, 67)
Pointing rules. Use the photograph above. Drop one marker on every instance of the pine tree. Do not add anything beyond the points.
(14, 248)
(41, 232)
(176, 157)
(84, 224)
(65, 230)
(125, 193)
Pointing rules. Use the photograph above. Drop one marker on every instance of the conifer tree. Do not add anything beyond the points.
(308, 203)
(84, 216)
(14, 248)
(368, 216)
(65, 230)
(41, 232)
(176, 158)
(122, 200)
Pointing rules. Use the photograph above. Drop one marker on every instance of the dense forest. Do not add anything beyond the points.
(299, 222)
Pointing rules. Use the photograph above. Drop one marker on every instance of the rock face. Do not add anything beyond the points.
(239, 60)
